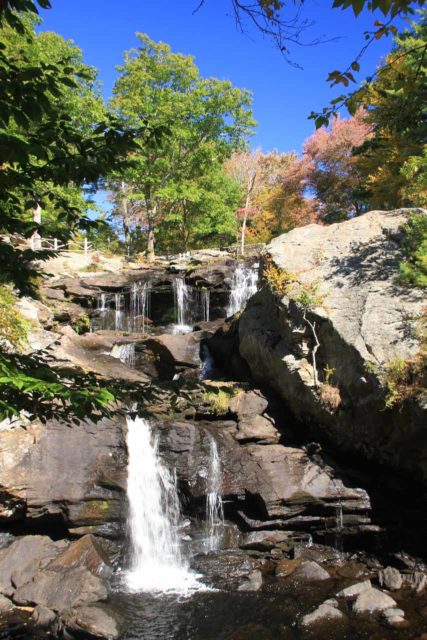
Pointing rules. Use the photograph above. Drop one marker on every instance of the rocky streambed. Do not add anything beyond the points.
(282, 529)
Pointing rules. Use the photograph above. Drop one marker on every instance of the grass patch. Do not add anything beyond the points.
(219, 402)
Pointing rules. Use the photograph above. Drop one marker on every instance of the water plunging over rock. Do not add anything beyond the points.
(156, 562)
(243, 286)
(102, 302)
(214, 508)
(125, 353)
(183, 303)
(205, 304)
(119, 315)
(140, 304)
(207, 364)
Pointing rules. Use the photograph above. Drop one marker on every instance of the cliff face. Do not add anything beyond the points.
(363, 321)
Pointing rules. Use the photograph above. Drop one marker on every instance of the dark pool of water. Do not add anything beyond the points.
(270, 615)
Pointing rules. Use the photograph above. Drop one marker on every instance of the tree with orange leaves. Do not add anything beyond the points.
(333, 174)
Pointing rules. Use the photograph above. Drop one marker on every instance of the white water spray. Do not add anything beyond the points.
(102, 302)
(183, 303)
(205, 304)
(125, 353)
(140, 303)
(119, 315)
(214, 508)
(156, 562)
(243, 286)
(207, 364)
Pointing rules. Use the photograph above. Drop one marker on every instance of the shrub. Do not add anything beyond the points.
(329, 396)
(285, 283)
(279, 280)
(13, 326)
(82, 325)
(413, 269)
(405, 379)
(219, 402)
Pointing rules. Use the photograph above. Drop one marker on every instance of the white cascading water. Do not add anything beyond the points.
(102, 302)
(214, 508)
(183, 304)
(207, 364)
(205, 304)
(140, 303)
(119, 315)
(243, 286)
(156, 562)
(125, 353)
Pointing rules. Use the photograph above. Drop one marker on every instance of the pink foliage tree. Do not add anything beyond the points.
(333, 175)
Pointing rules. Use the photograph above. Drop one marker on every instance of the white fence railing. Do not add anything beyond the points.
(53, 244)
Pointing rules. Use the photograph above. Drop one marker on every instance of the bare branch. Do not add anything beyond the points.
(312, 326)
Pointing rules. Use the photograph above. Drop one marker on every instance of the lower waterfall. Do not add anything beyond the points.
(156, 560)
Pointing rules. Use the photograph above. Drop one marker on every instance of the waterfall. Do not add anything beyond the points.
(214, 508)
(207, 364)
(205, 304)
(183, 304)
(339, 525)
(125, 353)
(140, 302)
(339, 520)
(119, 315)
(102, 302)
(243, 286)
(156, 562)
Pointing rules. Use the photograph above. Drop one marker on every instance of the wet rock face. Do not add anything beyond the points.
(56, 475)
(364, 319)
(264, 485)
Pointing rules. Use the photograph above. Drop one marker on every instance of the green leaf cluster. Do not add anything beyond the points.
(413, 269)
(206, 119)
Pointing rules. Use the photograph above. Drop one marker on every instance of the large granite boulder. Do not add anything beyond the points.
(60, 583)
(364, 319)
(20, 560)
(57, 475)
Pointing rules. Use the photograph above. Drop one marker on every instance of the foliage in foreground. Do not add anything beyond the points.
(34, 386)
(56, 138)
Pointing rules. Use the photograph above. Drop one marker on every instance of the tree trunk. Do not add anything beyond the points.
(151, 237)
(151, 217)
(125, 217)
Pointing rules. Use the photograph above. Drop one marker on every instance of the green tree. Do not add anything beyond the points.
(200, 212)
(206, 118)
(55, 138)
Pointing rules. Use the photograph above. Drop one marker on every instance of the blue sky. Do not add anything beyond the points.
(283, 95)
